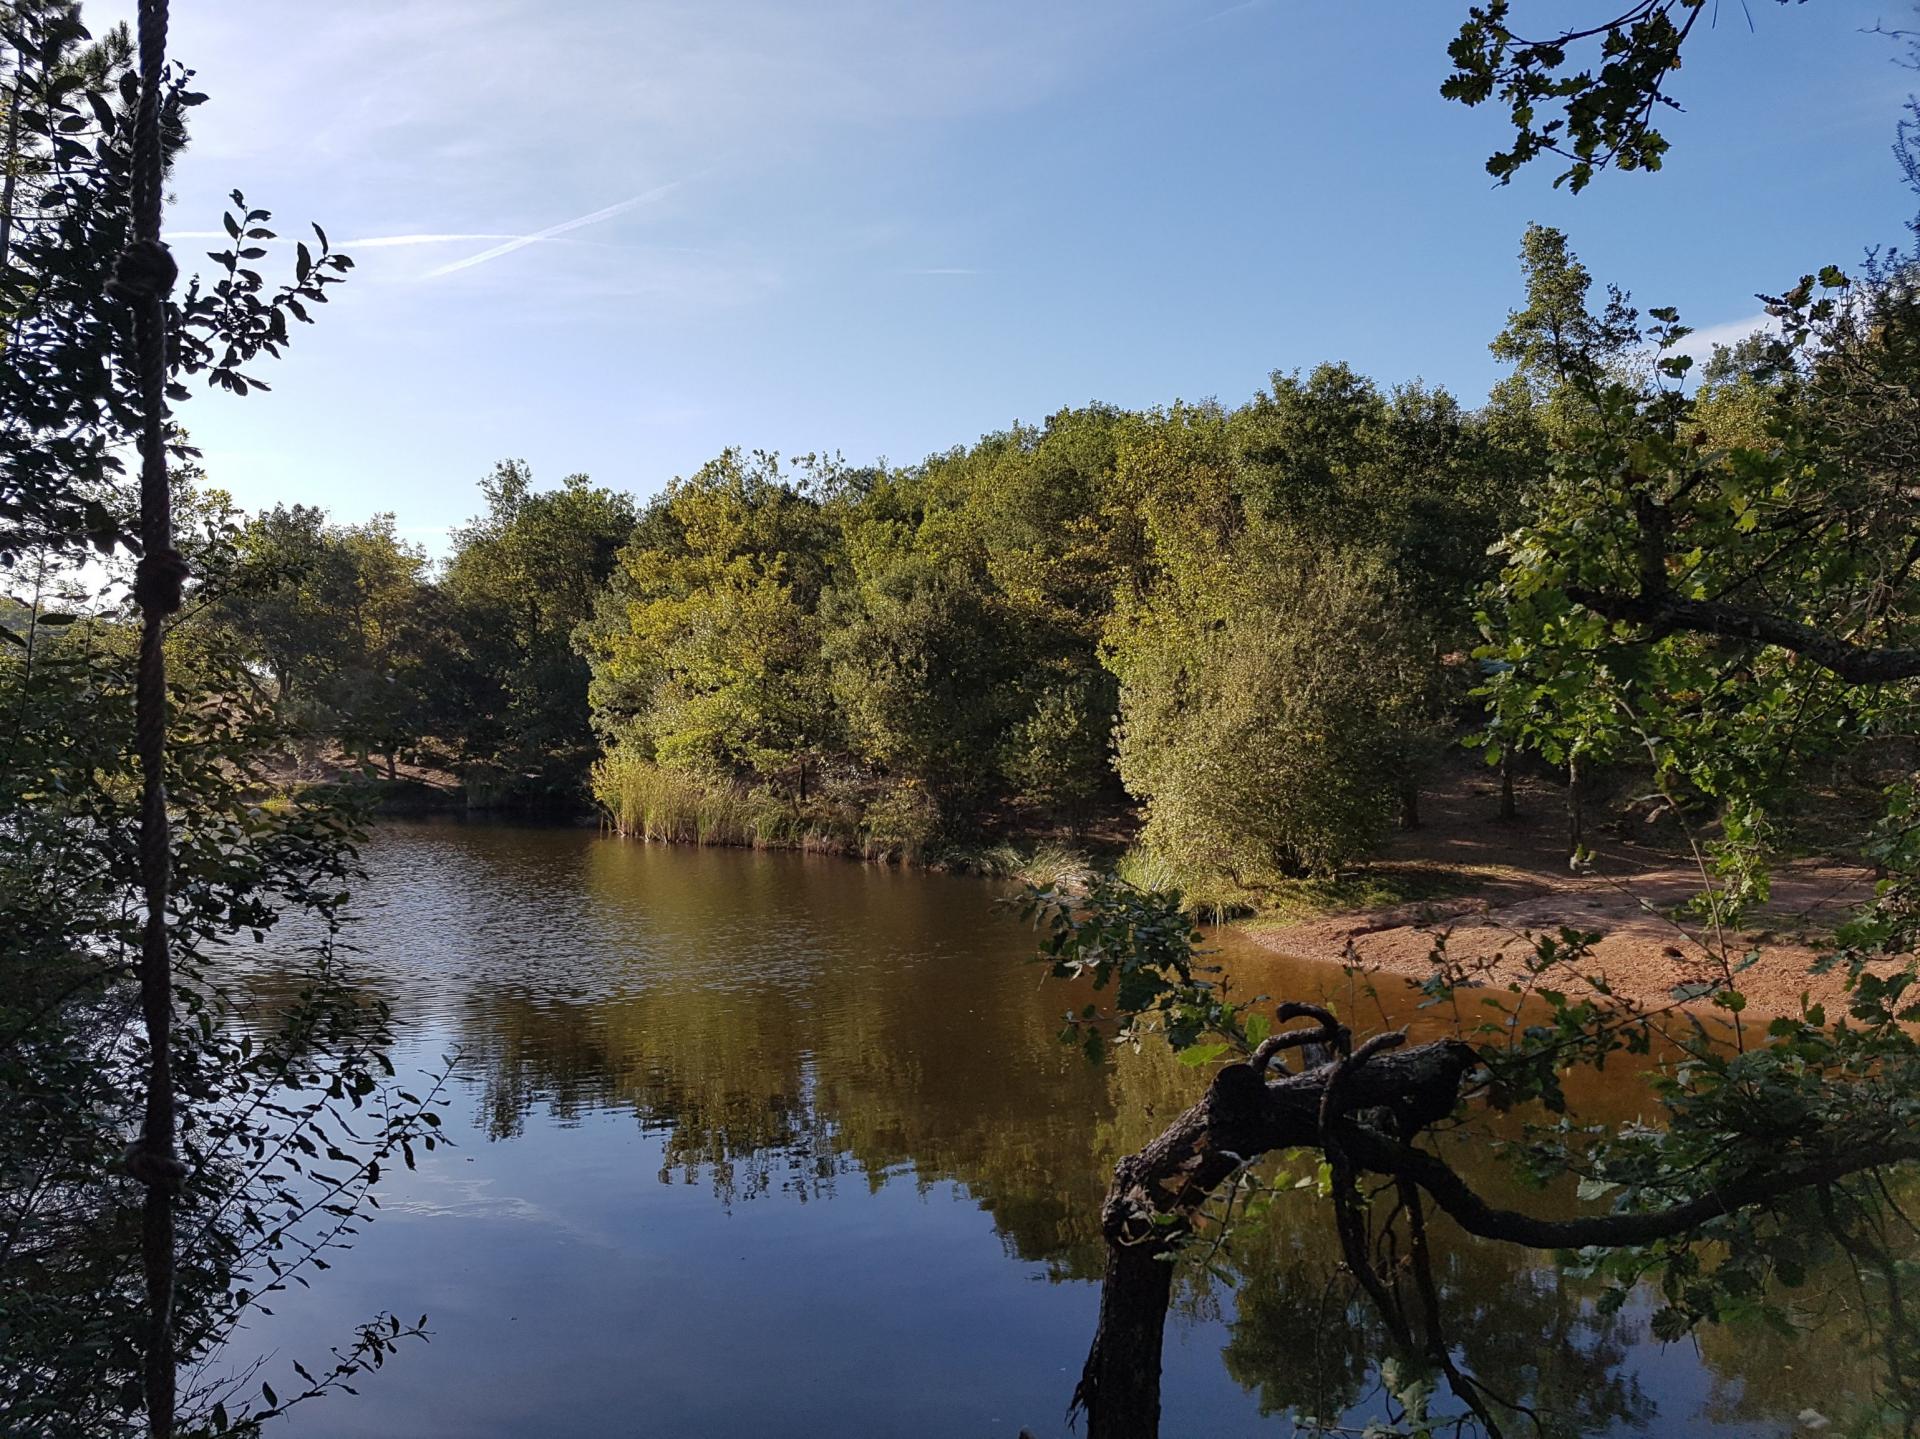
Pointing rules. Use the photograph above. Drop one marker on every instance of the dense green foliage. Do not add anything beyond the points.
(522, 577)
(1273, 706)
(1033, 633)
(1031, 629)
(335, 617)
(475, 668)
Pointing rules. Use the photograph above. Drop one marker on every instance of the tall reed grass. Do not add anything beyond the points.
(651, 803)
(1208, 898)
(647, 802)
(644, 801)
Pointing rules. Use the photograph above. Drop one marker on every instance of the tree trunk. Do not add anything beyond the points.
(1410, 806)
(1576, 810)
(1508, 812)
(391, 773)
(1156, 1193)
(1120, 1386)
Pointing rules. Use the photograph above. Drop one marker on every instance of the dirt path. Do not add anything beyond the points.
(1516, 884)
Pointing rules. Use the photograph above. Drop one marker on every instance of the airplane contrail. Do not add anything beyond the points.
(383, 242)
(520, 242)
(1222, 14)
(363, 242)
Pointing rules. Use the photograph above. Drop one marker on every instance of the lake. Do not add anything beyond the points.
(769, 1143)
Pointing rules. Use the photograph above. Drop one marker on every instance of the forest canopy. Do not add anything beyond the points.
(1037, 631)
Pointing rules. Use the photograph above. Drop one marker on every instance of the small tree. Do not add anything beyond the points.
(705, 648)
(524, 576)
(1269, 700)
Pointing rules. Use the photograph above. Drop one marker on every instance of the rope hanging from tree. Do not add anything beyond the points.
(143, 276)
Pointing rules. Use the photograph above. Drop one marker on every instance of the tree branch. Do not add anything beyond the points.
(1331, 1034)
(1473, 1214)
(1341, 1107)
(1666, 614)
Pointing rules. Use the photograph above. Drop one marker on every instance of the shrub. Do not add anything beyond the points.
(1269, 708)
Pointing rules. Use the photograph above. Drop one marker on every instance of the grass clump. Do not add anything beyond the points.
(1049, 866)
(1209, 897)
(1054, 866)
(645, 801)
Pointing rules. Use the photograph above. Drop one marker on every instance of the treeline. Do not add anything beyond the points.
(472, 668)
(1250, 626)
(1243, 619)
(1238, 618)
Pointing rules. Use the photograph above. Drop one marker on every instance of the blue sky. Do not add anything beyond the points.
(886, 228)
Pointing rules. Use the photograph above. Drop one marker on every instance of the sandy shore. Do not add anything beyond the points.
(1518, 888)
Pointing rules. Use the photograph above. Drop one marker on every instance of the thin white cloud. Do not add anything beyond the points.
(364, 242)
(1702, 342)
(394, 242)
(520, 242)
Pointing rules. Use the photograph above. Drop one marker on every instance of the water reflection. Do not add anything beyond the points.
(730, 1123)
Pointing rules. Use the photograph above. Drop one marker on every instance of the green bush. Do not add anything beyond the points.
(904, 820)
(1270, 705)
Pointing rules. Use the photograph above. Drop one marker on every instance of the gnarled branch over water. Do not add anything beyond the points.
(1364, 1109)
(1156, 1193)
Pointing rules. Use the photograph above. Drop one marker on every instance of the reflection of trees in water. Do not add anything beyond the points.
(1307, 1341)
(1826, 1363)
(876, 1074)
(756, 1096)
(740, 1117)
(770, 1068)
(1828, 1349)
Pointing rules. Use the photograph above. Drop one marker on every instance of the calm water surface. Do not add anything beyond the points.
(771, 1144)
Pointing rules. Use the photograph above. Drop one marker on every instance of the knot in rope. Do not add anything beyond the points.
(144, 271)
(157, 581)
(156, 1171)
